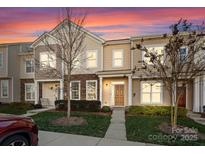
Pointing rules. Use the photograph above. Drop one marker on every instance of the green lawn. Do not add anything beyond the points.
(139, 128)
(15, 108)
(97, 124)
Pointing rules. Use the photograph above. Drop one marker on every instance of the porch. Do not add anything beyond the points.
(47, 91)
(116, 90)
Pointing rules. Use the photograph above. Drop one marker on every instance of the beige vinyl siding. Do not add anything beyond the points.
(137, 55)
(108, 56)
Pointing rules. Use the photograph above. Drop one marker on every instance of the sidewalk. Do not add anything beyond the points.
(117, 129)
(196, 117)
(61, 139)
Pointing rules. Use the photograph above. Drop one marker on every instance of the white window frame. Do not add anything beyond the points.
(79, 84)
(161, 93)
(96, 91)
(26, 84)
(7, 83)
(113, 58)
(153, 46)
(1, 59)
(45, 67)
(183, 47)
(26, 66)
(96, 51)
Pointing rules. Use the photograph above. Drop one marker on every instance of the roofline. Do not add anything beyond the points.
(14, 43)
(82, 28)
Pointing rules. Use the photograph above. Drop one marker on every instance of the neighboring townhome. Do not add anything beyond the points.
(149, 90)
(10, 71)
(85, 82)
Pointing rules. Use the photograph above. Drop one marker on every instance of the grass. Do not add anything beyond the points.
(15, 108)
(139, 128)
(97, 124)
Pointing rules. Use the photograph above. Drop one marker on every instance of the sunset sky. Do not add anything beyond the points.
(26, 24)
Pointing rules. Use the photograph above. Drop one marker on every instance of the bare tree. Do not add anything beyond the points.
(66, 42)
(182, 60)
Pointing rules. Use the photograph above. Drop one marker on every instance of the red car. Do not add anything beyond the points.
(17, 131)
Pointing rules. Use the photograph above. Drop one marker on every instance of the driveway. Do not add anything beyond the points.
(61, 139)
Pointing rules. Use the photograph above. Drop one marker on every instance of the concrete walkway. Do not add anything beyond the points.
(61, 139)
(196, 117)
(117, 129)
(36, 111)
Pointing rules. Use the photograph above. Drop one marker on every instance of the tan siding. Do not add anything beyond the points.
(137, 55)
(107, 56)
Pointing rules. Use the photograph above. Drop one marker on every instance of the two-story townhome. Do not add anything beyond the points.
(11, 70)
(104, 73)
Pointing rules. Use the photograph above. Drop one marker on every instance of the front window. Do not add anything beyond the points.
(151, 93)
(29, 92)
(183, 53)
(117, 58)
(156, 50)
(75, 90)
(29, 66)
(1, 59)
(47, 60)
(91, 90)
(92, 59)
(4, 88)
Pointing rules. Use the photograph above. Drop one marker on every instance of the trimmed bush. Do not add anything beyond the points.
(105, 109)
(79, 105)
(38, 106)
(155, 110)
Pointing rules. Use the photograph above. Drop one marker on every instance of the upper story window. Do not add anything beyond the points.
(29, 92)
(183, 53)
(4, 88)
(117, 58)
(47, 60)
(1, 59)
(151, 92)
(91, 58)
(29, 66)
(75, 90)
(91, 90)
(157, 50)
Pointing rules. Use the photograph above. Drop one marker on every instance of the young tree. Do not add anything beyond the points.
(182, 60)
(66, 42)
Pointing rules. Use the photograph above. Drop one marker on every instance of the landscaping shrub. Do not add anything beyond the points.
(155, 110)
(79, 105)
(21, 105)
(106, 109)
(38, 106)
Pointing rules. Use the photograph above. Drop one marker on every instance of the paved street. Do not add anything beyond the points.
(62, 139)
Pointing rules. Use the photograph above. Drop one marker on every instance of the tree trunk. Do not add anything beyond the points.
(68, 97)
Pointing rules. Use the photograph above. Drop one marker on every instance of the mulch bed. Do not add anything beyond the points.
(72, 121)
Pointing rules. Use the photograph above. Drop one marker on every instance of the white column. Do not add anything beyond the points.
(36, 92)
(203, 90)
(129, 90)
(196, 104)
(187, 98)
(101, 86)
(61, 89)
